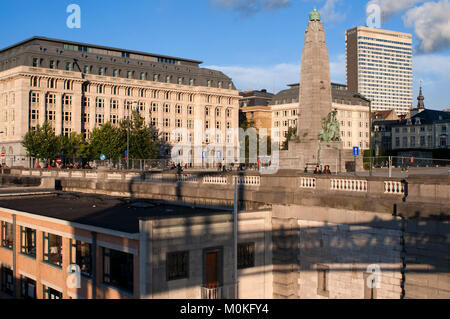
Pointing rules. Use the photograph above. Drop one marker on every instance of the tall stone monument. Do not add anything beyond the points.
(315, 84)
(318, 131)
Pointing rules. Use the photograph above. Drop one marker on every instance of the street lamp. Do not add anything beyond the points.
(358, 95)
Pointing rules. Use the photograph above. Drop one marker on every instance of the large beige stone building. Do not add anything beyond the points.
(78, 87)
(353, 115)
(379, 66)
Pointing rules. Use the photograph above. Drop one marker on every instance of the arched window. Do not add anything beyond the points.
(35, 81)
(51, 84)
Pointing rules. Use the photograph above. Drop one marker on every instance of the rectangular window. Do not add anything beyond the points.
(322, 280)
(246, 255)
(50, 293)
(27, 288)
(34, 97)
(177, 265)
(81, 255)
(52, 249)
(7, 280)
(67, 116)
(118, 269)
(28, 241)
(7, 235)
(99, 118)
(34, 114)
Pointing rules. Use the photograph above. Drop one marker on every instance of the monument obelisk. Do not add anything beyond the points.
(315, 84)
(318, 132)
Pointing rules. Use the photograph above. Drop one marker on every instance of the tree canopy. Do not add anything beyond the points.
(109, 139)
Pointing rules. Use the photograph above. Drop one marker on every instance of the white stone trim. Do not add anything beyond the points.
(23, 273)
(49, 285)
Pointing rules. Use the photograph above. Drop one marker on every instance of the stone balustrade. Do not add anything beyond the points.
(348, 185)
(217, 180)
(432, 189)
(249, 180)
(392, 187)
(187, 178)
(308, 182)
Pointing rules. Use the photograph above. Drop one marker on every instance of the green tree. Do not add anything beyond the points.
(73, 146)
(42, 143)
(291, 135)
(108, 140)
(144, 141)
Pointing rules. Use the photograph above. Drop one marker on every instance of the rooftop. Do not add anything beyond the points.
(340, 94)
(119, 214)
(429, 117)
(96, 47)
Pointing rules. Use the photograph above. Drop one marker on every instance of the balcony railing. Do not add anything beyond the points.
(212, 293)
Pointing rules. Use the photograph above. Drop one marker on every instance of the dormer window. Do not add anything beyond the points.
(418, 121)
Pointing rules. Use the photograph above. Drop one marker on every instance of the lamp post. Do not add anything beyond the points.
(358, 95)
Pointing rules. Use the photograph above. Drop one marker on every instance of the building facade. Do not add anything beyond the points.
(379, 66)
(382, 129)
(353, 114)
(427, 130)
(134, 250)
(254, 108)
(77, 87)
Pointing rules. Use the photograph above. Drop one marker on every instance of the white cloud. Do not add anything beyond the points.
(329, 13)
(431, 23)
(391, 7)
(252, 6)
(275, 77)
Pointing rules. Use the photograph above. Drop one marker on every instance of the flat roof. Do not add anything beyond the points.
(97, 47)
(119, 214)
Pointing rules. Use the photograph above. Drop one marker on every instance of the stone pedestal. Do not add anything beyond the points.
(308, 154)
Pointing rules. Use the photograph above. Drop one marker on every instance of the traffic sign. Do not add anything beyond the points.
(3, 154)
(102, 157)
(356, 151)
(58, 161)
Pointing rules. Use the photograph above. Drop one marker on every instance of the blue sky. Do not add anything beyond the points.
(256, 42)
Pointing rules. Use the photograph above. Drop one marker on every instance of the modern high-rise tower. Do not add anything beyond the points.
(379, 66)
